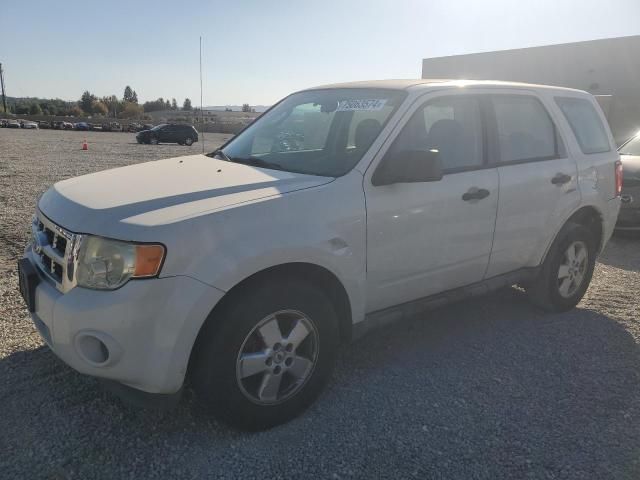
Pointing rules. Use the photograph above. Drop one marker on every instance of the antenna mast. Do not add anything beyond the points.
(201, 110)
(4, 98)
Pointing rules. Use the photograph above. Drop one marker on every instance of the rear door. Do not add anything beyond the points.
(538, 179)
(424, 238)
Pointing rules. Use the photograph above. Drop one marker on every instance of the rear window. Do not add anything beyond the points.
(585, 123)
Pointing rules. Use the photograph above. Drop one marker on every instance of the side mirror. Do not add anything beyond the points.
(408, 166)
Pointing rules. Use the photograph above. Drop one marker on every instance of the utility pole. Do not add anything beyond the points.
(4, 98)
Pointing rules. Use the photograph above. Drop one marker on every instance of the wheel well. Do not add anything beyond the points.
(316, 275)
(590, 218)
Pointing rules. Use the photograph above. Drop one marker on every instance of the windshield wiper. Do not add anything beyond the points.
(219, 153)
(257, 162)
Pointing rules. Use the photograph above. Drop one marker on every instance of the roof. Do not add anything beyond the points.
(405, 84)
(398, 84)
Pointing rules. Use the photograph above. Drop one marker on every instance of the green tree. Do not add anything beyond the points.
(187, 105)
(174, 104)
(132, 110)
(99, 108)
(134, 98)
(35, 109)
(246, 107)
(128, 94)
(86, 101)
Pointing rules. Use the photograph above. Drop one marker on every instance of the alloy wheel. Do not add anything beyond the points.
(573, 268)
(277, 357)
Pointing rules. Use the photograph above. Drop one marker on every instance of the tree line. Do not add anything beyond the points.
(90, 104)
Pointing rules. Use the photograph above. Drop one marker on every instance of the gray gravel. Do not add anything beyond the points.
(489, 388)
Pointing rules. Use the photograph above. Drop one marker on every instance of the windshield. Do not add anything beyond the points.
(158, 127)
(632, 147)
(317, 132)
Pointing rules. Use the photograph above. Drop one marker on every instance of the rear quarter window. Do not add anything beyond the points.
(585, 123)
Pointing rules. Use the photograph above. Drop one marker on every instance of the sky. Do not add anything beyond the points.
(256, 52)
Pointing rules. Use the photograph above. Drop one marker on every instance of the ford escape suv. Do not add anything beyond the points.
(341, 208)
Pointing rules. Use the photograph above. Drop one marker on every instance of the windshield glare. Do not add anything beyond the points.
(632, 147)
(158, 127)
(317, 132)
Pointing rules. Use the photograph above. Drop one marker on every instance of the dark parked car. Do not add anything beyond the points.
(83, 126)
(43, 124)
(169, 133)
(629, 217)
(13, 124)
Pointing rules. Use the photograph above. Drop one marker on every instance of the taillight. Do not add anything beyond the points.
(618, 178)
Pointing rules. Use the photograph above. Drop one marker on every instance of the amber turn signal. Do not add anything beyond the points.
(148, 260)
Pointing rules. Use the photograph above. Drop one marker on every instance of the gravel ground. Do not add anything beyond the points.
(488, 388)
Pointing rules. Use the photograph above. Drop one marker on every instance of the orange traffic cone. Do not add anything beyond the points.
(85, 145)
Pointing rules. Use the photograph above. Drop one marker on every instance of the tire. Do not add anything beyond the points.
(556, 290)
(153, 141)
(228, 385)
(139, 140)
(188, 141)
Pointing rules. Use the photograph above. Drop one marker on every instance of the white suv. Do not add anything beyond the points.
(341, 208)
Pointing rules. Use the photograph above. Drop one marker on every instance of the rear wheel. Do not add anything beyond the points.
(188, 141)
(264, 358)
(567, 270)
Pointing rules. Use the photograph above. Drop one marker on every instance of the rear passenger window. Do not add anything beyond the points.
(585, 123)
(450, 125)
(525, 129)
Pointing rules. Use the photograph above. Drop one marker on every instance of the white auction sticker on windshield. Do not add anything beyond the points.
(370, 104)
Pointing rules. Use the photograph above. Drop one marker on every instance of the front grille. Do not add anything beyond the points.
(53, 249)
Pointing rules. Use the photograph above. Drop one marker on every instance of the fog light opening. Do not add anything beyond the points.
(93, 350)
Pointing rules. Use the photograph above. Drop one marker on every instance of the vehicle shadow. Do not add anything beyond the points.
(486, 388)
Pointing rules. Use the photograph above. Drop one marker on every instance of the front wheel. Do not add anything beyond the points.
(265, 357)
(188, 141)
(567, 270)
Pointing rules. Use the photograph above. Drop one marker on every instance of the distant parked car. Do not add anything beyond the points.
(29, 124)
(57, 125)
(3, 122)
(13, 124)
(629, 216)
(43, 124)
(111, 127)
(147, 126)
(67, 125)
(134, 127)
(169, 133)
(84, 126)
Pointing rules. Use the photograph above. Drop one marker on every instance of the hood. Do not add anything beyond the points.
(159, 193)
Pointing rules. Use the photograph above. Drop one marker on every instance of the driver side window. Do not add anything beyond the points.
(452, 126)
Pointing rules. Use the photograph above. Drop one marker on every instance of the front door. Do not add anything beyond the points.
(424, 238)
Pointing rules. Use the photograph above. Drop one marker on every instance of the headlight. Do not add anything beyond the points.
(108, 264)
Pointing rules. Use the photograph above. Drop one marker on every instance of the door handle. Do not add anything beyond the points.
(475, 193)
(561, 179)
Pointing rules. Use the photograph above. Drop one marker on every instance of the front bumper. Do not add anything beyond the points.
(140, 335)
